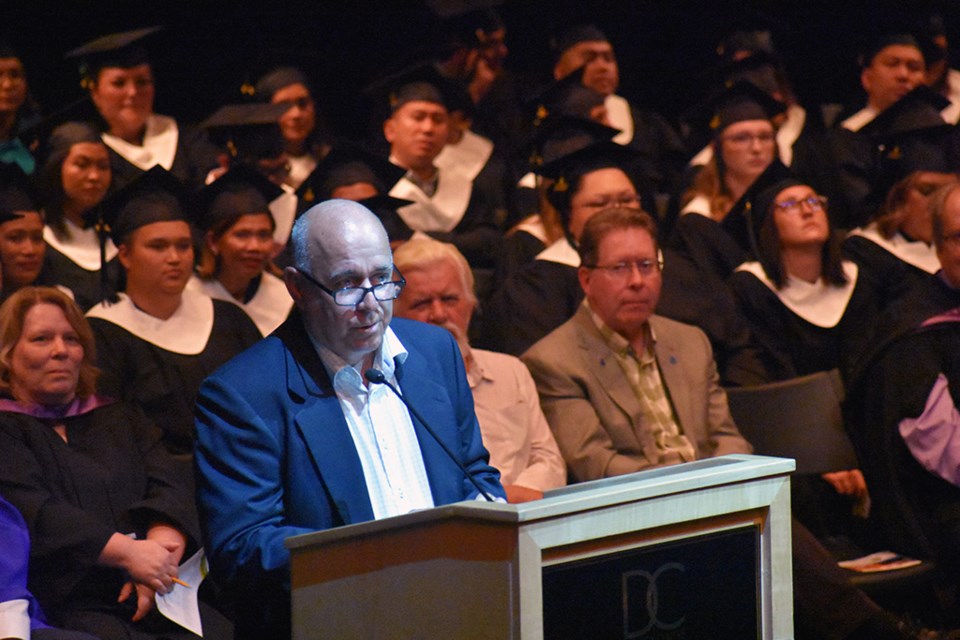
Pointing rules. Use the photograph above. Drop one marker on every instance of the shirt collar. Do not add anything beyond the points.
(617, 343)
(391, 351)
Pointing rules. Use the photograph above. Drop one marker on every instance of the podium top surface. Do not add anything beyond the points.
(607, 492)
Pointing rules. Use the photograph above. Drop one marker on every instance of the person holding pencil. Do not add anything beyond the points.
(109, 510)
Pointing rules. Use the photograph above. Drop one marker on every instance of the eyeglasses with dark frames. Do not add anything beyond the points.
(352, 296)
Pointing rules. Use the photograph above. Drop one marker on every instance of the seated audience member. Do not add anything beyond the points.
(646, 131)
(615, 366)
(266, 473)
(73, 180)
(448, 205)
(903, 403)
(439, 290)
(18, 111)
(897, 247)
(584, 177)
(475, 52)
(110, 512)
(237, 243)
(805, 304)
(744, 147)
(21, 231)
(304, 141)
(625, 389)
(157, 342)
(20, 613)
(940, 76)
(891, 68)
(116, 71)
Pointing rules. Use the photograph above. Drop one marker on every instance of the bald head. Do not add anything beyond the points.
(340, 244)
(327, 224)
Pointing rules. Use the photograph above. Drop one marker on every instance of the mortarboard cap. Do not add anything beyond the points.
(153, 196)
(912, 136)
(421, 82)
(560, 135)
(347, 164)
(124, 50)
(741, 101)
(17, 193)
(886, 36)
(759, 69)
(277, 79)
(566, 38)
(592, 156)
(240, 191)
(248, 131)
(566, 96)
(747, 214)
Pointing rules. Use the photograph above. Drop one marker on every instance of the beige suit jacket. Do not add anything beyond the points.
(596, 417)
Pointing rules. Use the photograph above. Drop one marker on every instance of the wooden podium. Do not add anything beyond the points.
(657, 554)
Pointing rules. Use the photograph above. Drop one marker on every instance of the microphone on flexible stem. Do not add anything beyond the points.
(376, 377)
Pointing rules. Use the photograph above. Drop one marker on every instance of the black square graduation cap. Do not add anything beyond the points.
(17, 194)
(592, 156)
(561, 135)
(248, 131)
(153, 196)
(125, 49)
(911, 135)
(747, 214)
(567, 37)
(566, 96)
(759, 69)
(739, 102)
(421, 82)
(345, 164)
(240, 191)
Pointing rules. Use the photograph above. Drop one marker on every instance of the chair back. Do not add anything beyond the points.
(798, 418)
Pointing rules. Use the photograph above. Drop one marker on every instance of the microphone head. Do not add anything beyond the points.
(375, 376)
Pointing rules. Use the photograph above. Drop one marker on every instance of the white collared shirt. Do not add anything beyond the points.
(382, 431)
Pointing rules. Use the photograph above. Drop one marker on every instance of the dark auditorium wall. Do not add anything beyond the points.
(211, 48)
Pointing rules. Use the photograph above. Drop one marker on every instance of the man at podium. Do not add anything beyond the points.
(306, 430)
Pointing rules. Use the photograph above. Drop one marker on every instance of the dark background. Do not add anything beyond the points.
(209, 49)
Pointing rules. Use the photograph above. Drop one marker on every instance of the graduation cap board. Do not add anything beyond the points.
(912, 136)
(240, 191)
(737, 103)
(248, 131)
(153, 196)
(17, 195)
(346, 164)
(421, 82)
(572, 36)
(566, 96)
(747, 214)
(560, 135)
(125, 49)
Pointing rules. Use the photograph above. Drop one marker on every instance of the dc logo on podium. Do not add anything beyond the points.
(651, 599)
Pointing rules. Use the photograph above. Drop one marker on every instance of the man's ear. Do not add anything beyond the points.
(292, 279)
(389, 129)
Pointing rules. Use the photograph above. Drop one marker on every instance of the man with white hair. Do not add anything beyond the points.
(440, 291)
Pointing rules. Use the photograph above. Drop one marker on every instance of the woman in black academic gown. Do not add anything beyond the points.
(117, 72)
(73, 181)
(157, 343)
(235, 257)
(111, 514)
(805, 304)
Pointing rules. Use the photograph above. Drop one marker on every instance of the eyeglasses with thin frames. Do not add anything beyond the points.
(352, 296)
(623, 270)
(814, 203)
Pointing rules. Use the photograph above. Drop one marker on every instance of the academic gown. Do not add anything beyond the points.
(708, 244)
(75, 264)
(268, 303)
(158, 365)
(822, 331)
(193, 158)
(913, 510)
(898, 262)
(111, 475)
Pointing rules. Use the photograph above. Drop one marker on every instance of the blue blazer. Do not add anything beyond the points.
(275, 458)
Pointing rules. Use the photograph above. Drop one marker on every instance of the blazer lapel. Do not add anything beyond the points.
(669, 357)
(321, 425)
(603, 364)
